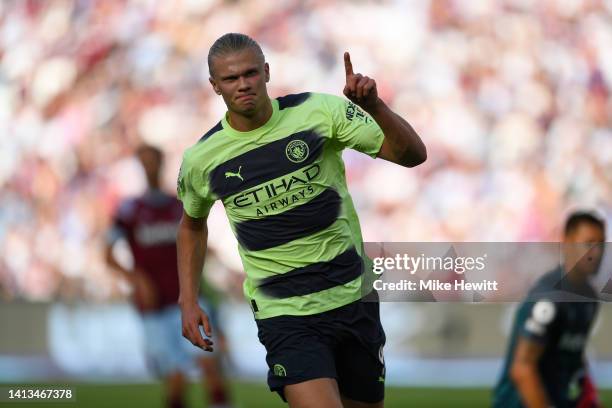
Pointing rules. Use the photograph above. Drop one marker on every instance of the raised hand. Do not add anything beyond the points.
(359, 89)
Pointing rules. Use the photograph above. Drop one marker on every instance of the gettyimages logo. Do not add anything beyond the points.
(412, 264)
(487, 271)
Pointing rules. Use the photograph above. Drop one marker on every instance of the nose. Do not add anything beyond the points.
(243, 84)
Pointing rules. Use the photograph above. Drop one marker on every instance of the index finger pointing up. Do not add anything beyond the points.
(348, 67)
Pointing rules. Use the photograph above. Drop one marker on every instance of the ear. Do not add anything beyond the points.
(215, 86)
(267, 71)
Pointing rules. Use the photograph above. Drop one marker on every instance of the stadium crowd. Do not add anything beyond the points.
(512, 99)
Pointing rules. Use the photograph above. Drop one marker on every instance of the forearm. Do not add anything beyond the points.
(117, 267)
(530, 387)
(402, 144)
(191, 249)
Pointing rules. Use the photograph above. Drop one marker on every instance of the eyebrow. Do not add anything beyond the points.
(246, 71)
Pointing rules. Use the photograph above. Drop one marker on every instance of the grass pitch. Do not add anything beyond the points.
(256, 395)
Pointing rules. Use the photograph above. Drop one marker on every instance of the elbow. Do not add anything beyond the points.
(190, 223)
(516, 373)
(422, 156)
(416, 157)
(180, 228)
(520, 372)
(108, 254)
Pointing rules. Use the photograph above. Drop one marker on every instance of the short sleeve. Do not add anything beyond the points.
(352, 127)
(540, 319)
(122, 222)
(192, 191)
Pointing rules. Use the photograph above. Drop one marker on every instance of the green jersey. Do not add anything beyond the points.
(284, 191)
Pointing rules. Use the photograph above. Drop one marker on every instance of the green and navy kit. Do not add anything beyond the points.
(284, 191)
(563, 328)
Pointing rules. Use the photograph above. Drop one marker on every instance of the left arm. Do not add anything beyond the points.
(401, 145)
(144, 293)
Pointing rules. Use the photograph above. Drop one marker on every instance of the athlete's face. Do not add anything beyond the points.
(584, 248)
(240, 78)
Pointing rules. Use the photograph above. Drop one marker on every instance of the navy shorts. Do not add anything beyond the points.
(345, 344)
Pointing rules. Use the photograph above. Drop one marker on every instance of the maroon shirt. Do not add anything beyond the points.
(149, 223)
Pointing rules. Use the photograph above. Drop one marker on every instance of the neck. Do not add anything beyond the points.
(153, 185)
(244, 123)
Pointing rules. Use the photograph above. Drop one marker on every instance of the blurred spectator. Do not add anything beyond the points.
(512, 98)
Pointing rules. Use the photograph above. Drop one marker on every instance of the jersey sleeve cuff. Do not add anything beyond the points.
(377, 148)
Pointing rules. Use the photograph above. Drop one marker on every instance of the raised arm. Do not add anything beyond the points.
(191, 246)
(525, 375)
(402, 145)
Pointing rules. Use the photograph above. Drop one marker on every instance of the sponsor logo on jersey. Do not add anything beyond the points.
(542, 314)
(544, 311)
(156, 234)
(353, 111)
(229, 174)
(534, 327)
(572, 342)
(275, 188)
(297, 151)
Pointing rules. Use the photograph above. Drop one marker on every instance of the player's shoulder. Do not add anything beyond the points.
(155, 198)
(556, 286)
(338, 106)
(128, 208)
(314, 100)
(329, 99)
(195, 151)
(217, 128)
(547, 282)
(203, 142)
(543, 298)
(543, 290)
(294, 100)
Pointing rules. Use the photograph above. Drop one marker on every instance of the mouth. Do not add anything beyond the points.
(246, 97)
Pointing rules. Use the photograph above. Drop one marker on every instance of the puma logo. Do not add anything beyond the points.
(229, 174)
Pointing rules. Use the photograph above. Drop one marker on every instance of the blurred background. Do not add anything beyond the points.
(512, 99)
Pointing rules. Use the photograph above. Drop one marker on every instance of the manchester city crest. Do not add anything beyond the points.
(279, 370)
(297, 151)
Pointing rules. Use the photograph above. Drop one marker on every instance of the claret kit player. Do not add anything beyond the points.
(148, 223)
(276, 165)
